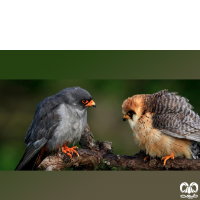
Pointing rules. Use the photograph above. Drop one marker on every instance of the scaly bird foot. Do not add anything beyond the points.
(146, 158)
(69, 151)
(167, 158)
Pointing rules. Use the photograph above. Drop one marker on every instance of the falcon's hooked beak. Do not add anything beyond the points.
(91, 104)
(126, 117)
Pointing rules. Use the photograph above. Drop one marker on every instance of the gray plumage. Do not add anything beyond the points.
(59, 119)
(31, 155)
(174, 116)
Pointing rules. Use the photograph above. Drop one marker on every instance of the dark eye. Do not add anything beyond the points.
(85, 101)
(130, 113)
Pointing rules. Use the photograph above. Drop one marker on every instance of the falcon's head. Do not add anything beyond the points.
(132, 109)
(78, 98)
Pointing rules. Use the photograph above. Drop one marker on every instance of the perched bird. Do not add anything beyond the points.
(163, 124)
(59, 121)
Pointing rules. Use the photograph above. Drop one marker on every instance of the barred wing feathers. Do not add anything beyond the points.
(173, 115)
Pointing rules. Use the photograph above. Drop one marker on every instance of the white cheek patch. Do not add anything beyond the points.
(133, 121)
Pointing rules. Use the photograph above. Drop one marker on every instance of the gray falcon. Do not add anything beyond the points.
(59, 120)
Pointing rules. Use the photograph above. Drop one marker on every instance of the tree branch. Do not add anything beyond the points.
(97, 155)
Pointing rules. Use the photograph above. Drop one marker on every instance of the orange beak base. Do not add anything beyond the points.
(91, 104)
(125, 117)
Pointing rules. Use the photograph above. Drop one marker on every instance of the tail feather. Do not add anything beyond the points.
(31, 155)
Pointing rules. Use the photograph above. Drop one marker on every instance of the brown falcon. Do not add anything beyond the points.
(163, 124)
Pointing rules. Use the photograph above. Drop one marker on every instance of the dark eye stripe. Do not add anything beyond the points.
(130, 113)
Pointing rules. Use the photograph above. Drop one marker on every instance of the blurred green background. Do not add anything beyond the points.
(19, 99)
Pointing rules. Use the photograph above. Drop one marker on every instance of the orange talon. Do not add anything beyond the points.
(69, 151)
(167, 158)
(146, 158)
(70, 155)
